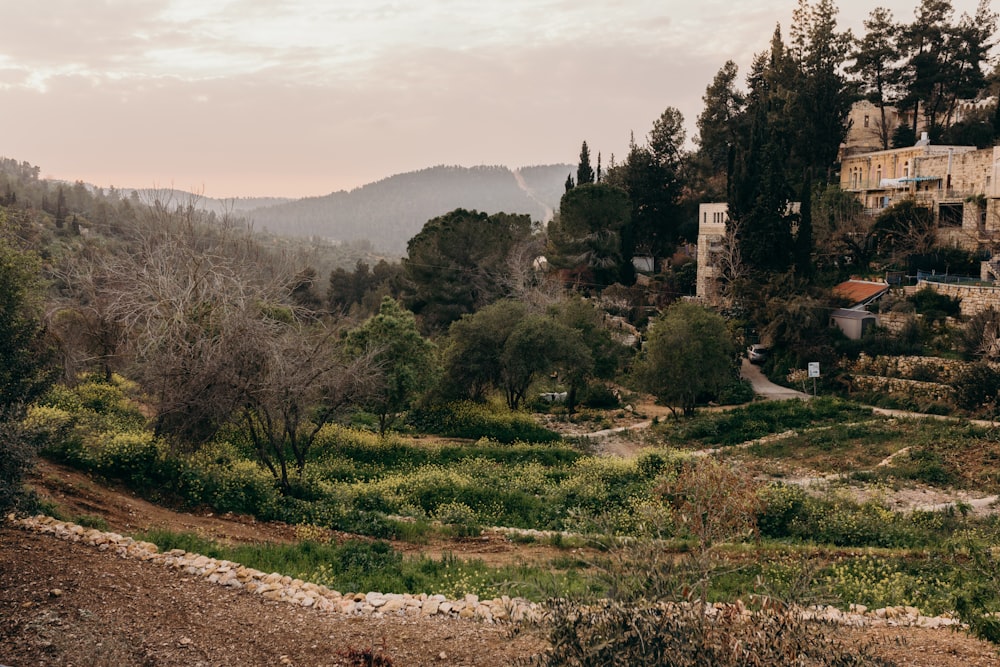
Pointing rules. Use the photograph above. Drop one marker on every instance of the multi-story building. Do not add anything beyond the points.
(712, 219)
(958, 183)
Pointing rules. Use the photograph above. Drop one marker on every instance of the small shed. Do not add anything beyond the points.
(854, 323)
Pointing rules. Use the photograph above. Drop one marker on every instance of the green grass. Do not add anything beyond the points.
(754, 421)
(363, 566)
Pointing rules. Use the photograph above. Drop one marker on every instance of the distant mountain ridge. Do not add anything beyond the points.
(391, 211)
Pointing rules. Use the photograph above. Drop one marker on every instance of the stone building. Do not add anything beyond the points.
(958, 183)
(866, 131)
(712, 219)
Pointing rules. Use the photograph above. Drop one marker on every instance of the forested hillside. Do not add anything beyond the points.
(391, 211)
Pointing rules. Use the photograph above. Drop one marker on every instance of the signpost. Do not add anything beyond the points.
(814, 373)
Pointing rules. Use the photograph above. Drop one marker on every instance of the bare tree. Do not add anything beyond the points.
(302, 383)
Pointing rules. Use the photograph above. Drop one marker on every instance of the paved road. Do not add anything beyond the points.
(764, 387)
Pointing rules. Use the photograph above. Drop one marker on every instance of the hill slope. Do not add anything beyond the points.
(391, 211)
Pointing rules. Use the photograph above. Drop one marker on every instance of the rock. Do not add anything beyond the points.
(393, 606)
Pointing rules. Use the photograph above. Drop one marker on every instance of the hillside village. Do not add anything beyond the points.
(735, 404)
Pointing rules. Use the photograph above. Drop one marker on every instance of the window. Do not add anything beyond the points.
(866, 120)
(906, 169)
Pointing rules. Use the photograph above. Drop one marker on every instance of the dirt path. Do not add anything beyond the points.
(70, 604)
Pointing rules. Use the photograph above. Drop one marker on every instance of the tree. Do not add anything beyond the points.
(537, 345)
(821, 97)
(689, 356)
(458, 263)
(83, 319)
(300, 382)
(652, 176)
(607, 356)
(472, 364)
(585, 237)
(403, 360)
(944, 61)
(804, 234)
(759, 197)
(504, 346)
(717, 123)
(25, 365)
(904, 229)
(874, 65)
(584, 172)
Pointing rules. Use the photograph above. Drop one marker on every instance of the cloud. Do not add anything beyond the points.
(305, 96)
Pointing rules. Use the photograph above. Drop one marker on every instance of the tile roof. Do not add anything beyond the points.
(859, 291)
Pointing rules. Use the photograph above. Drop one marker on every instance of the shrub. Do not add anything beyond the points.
(18, 446)
(977, 388)
(599, 396)
(616, 633)
(477, 420)
(218, 476)
(131, 457)
(935, 306)
(736, 393)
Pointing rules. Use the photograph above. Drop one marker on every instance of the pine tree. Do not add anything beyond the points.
(584, 172)
(874, 67)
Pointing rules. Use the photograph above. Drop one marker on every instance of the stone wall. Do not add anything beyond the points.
(925, 369)
(279, 588)
(975, 298)
(921, 379)
(282, 588)
(916, 390)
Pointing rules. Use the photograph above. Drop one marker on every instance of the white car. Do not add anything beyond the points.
(757, 353)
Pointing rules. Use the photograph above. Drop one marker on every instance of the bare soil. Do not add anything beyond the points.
(69, 604)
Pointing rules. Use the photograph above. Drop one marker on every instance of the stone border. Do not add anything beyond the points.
(282, 588)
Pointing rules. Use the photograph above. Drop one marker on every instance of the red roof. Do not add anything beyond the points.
(860, 291)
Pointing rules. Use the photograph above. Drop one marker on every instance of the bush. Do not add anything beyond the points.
(977, 389)
(789, 512)
(131, 457)
(18, 446)
(935, 306)
(599, 397)
(616, 633)
(477, 420)
(736, 393)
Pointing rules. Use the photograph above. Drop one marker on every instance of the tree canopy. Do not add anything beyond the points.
(458, 263)
(585, 237)
(689, 356)
(403, 361)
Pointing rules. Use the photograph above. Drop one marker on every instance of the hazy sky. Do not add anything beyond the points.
(304, 97)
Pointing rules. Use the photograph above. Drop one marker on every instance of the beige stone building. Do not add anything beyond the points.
(866, 131)
(959, 183)
(712, 219)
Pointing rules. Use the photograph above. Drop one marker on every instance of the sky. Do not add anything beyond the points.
(296, 98)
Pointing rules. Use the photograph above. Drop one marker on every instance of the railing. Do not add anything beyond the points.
(931, 277)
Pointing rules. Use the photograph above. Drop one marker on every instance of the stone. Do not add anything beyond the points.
(393, 606)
